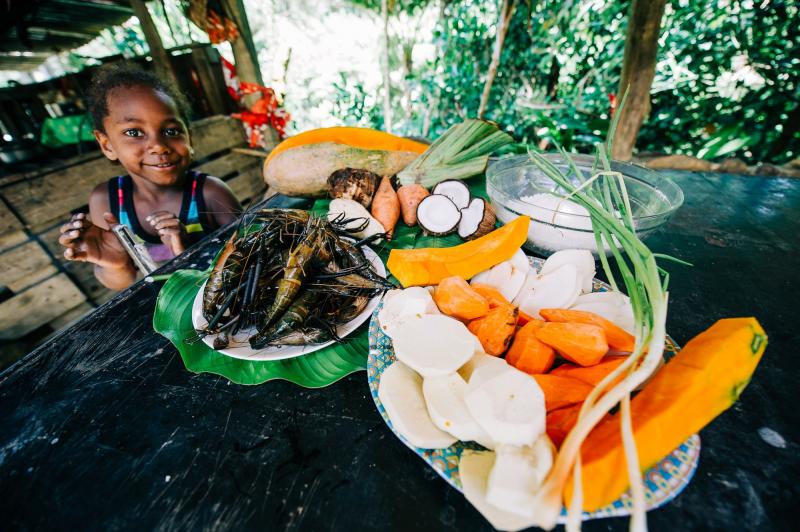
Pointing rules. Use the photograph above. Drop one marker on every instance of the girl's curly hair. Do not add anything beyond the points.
(127, 75)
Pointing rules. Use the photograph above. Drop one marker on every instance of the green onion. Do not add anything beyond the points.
(605, 196)
(462, 152)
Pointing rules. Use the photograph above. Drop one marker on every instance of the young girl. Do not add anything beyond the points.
(140, 122)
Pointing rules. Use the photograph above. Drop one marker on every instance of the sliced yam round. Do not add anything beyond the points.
(399, 305)
(400, 391)
(560, 391)
(582, 259)
(479, 359)
(527, 353)
(474, 469)
(455, 297)
(517, 474)
(582, 343)
(507, 404)
(496, 329)
(557, 289)
(617, 338)
(445, 399)
(433, 344)
(531, 278)
(612, 305)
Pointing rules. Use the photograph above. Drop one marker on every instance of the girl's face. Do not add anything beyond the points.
(144, 133)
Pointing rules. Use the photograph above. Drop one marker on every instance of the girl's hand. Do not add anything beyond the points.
(170, 230)
(86, 242)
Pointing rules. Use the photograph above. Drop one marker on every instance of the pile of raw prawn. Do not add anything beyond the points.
(291, 276)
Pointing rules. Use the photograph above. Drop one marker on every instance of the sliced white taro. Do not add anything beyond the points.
(399, 305)
(474, 468)
(479, 359)
(557, 289)
(517, 475)
(433, 344)
(507, 277)
(507, 404)
(400, 391)
(581, 258)
(445, 399)
(527, 287)
(612, 305)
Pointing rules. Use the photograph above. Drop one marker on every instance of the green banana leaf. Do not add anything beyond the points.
(173, 319)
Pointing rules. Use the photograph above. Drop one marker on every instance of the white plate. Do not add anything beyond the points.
(240, 348)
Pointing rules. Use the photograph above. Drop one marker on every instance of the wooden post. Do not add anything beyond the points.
(507, 8)
(161, 60)
(244, 51)
(638, 70)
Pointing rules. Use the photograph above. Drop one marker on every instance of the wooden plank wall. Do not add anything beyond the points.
(38, 288)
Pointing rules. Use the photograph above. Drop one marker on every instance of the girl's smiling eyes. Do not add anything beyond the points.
(168, 132)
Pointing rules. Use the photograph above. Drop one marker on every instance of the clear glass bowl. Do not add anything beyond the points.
(512, 181)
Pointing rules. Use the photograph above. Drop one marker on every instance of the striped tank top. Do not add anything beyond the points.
(120, 198)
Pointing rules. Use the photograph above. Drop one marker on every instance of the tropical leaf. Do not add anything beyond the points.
(173, 319)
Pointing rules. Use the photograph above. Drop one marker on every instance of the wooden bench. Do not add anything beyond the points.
(41, 291)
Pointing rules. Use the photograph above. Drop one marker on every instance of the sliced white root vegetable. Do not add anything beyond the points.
(352, 209)
(479, 359)
(399, 305)
(438, 215)
(613, 306)
(517, 474)
(557, 289)
(581, 258)
(474, 468)
(445, 399)
(507, 277)
(400, 391)
(433, 345)
(527, 287)
(454, 189)
(507, 404)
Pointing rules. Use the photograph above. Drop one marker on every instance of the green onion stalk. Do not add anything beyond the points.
(605, 196)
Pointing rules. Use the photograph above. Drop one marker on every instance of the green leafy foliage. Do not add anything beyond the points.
(727, 78)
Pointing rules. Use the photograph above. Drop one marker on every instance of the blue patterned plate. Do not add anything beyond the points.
(662, 483)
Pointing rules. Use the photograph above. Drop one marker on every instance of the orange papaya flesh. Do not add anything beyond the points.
(427, 266)
(703, 380)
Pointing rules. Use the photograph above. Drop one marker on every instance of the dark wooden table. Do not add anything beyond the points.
(103, 428)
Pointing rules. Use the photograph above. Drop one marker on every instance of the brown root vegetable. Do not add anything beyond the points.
(386, 206)
(355, 184)
(304, 170)
(477, 219)
(410, 197)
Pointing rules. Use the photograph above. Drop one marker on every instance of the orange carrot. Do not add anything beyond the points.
(523, 319)
(581, 343)
(492, 295)
(561, 391)
(386, 206)
(456, 298)
(527, 353)
(410, 196)
(617, 338)
(593, 374)
(560, 422)
(496, 329)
